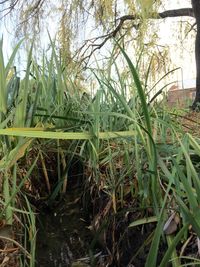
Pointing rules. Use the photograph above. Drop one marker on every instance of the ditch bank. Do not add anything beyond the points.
(81, 228)
(70, 237)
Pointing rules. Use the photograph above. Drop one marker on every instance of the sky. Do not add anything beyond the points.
(169, 4)
(182, 54)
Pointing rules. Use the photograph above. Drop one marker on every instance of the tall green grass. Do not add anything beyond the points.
(131, 149)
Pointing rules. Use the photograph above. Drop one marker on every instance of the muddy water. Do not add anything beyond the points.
(63, 238)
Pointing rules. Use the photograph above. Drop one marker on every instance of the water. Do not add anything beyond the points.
(63, 238)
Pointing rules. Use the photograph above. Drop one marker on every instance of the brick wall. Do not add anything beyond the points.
(180, 97)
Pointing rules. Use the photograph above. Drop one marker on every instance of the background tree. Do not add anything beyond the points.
(196, 10)
(110, 18)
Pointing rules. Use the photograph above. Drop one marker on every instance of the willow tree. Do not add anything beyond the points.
(114, 18)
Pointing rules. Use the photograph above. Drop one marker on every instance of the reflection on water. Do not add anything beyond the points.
(63, 238)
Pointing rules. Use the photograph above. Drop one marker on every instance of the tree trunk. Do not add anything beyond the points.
(196, 9)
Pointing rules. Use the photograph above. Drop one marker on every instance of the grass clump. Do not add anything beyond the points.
(141, 169)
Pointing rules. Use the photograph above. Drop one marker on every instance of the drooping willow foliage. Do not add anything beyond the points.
(71, 15)
(91, 25)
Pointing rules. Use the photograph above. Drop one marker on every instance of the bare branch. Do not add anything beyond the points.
(3, 2)
(92, 46)
(182, 12)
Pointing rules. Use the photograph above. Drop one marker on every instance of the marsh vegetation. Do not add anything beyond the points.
(135, 164)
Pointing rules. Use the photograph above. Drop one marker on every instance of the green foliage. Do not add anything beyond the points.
(132, 150)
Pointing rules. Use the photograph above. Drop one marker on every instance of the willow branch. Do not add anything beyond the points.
(182, 12)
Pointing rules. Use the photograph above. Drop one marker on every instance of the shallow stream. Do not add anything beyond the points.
(63, 238)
